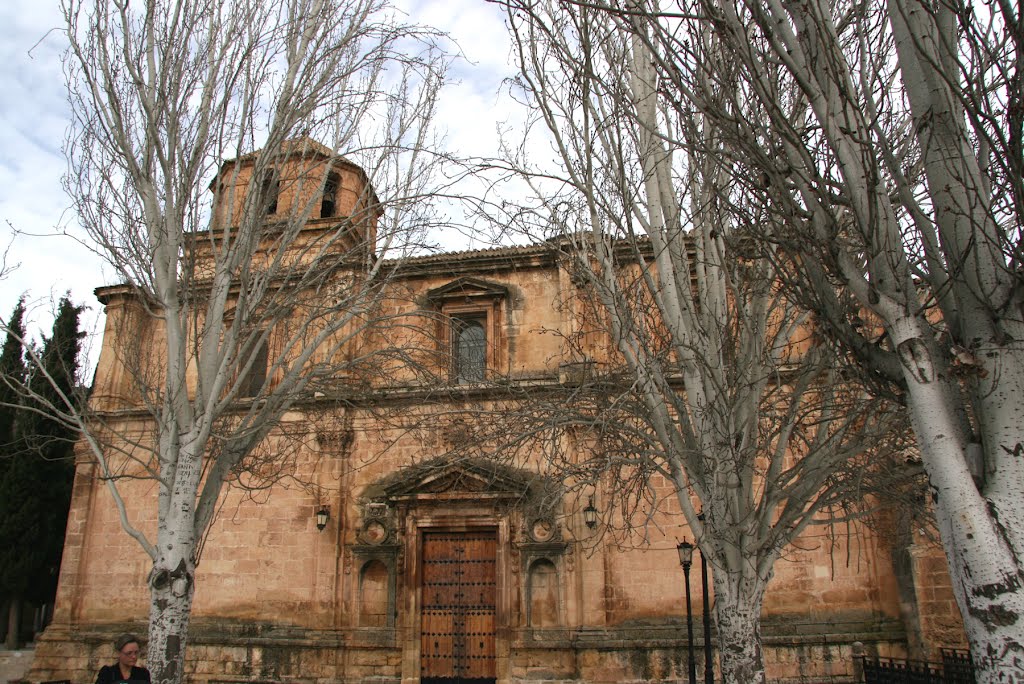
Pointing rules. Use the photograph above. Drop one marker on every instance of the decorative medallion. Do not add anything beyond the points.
(374, 532)
(542, 530)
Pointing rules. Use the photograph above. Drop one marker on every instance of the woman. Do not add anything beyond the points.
(124, 670)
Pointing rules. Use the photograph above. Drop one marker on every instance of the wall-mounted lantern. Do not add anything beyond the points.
(322, 516)
(590, 514)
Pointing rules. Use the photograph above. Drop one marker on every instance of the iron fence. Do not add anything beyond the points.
(956, 668)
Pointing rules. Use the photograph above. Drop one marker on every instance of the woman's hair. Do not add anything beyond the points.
(123, 640)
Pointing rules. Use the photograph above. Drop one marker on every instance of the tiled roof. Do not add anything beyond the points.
(304, 145)
(487, 253)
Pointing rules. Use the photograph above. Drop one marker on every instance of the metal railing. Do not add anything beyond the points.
(956, 668)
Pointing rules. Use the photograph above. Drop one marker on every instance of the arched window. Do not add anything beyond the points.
(270, 189)
(256, 375)
(329, 200)
(469, 349)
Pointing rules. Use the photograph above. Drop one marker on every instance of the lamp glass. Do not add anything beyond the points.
(685, 550)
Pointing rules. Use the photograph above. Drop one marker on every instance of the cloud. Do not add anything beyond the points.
(33, 120)
(34, 115)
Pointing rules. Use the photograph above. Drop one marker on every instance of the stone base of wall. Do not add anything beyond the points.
(231, 653)
(795, 650)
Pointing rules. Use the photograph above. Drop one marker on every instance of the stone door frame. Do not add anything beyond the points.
(472, 519)
(463, 496)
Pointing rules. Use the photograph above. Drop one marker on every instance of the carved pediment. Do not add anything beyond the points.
(461, 479)
(467, 288)
(457, 481)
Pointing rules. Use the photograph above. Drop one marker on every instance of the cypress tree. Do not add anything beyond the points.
(13, 375)
(35, 485)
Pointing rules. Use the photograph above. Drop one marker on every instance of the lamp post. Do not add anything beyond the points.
(685, 550)
(709, 668)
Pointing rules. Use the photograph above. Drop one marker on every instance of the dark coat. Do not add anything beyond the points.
(109, 674)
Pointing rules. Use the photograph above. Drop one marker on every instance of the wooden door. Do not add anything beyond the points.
(457, 625)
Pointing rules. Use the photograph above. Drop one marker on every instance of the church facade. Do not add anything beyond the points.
(384, 561)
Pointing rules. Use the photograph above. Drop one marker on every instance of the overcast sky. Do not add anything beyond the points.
(33, 119)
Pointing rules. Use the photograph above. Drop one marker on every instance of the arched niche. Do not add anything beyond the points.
(542, 594)
(375, 602)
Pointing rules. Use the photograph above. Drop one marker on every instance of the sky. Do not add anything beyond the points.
(43, 255)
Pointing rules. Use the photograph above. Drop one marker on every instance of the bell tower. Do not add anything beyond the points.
(303, 185)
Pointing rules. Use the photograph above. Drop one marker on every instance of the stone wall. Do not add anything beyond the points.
(938, 615)
(231, 653)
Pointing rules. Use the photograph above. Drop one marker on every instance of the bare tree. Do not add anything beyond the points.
(694, 368)
(882, 142)
(229, 315)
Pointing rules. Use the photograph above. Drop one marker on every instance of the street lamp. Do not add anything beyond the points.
(709, 668)
(685, 550)
(321, 518)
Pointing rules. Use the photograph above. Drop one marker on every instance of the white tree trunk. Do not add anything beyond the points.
(700, 330)
(983, 563)
(738, 605)
(169, 613)
(1001, 424)
(172, 579)
(217, 309)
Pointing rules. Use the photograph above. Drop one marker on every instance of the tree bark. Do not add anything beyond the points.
(170, 611)
(984, 567)
(738, 602)
(982, 523)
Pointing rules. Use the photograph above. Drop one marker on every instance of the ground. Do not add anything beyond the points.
(14, 665)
